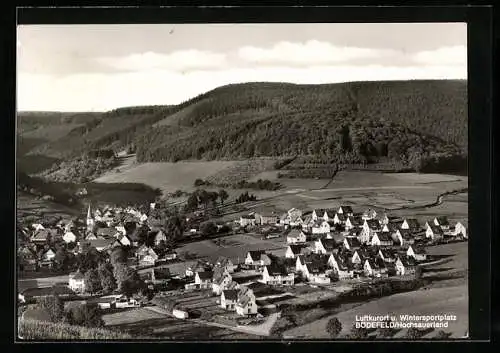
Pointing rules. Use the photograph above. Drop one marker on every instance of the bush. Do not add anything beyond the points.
(87, 315)
(333, 327)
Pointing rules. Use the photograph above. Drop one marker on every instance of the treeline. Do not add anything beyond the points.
(258, 185)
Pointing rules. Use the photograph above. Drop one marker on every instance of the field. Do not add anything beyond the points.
(234, 247)
(28, 205)
(147, 322)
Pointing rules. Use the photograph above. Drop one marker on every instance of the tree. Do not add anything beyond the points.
(333, 327)
(174, 227)
(386, 332)
(413, 333)
(108, 282)
(118, 255)
(441, 335)
(53, 305)
(62, 259)
(92, 281)
(223, 195)
(87, 315)
(208, 228)
(127, 280)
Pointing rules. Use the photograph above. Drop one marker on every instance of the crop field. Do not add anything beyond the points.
(234, 247)
(243, 170)
(169, 177)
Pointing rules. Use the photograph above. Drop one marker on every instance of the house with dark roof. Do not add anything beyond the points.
(375, 267)
(257, 258)
(203, 279)
(345, 210)
(460, 230)
(411, 224)
(329, 215)
(225, 263)
(220, 281)
(405, 237)
(341, 267)
(353, 222)
(294, 250)
(351, 243)
(370, 227)
(103, 244)
(316, 272)
(296, 236)
(318, 214)
(339, 218)
(360, 255)
(228, 299)
(442, 221)
(27, 259)
(392, 226)
(324, 246)
(417, 253)
(434, 232)
(266, 218)
(275, 274)
(147, 256)
(246, 305)
(405, 265)
(382, 239)
(388, 255)
(43, 236)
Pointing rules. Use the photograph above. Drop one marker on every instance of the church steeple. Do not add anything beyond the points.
(90, 219)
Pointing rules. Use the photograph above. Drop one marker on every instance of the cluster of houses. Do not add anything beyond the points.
(103, 230)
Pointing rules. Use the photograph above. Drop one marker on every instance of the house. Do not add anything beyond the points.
(121, 229)
(418, 254)
(247, 220)
(69, 237)
(266, 218)
(370, 227)
(76, 282)
(442, 222)
(369, 214)
(351, 243)
(388, 255)
(460, 230)
(226, 264)
(37, 226)
(295, 250)
(47, 258)
(221, 282)
(353, 222)
(411, 224)
(405, 266)
(296, 236)
(316, 272)
(434, 232)
(340, 266)
(246, 305)
(203, 279)
(103, 244)
(339, 218)
(324, 246)
(160, 275)
(318, 214)
(292, 218)
(159, 237)
(359, 256)
(346, 211)
(277, 275)
(392, 226)
(329, 215)
(108, 232)
(124, 240)
(404, 237)
(228, 299)
(27, 259)
(382, 239)
(302, 260)
(43, 236)
(257, 258)
(375, 268)
(170, 255)
(147, 257)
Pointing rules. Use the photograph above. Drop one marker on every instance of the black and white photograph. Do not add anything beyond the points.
(242, 181)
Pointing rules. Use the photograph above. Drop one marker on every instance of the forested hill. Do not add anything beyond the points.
(347, 122)
(352, 122)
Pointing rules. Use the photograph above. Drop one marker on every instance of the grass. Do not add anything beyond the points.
(41, 330)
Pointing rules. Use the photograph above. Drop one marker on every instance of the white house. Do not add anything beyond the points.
(124, 240)
(296, 237)
(69, 237)
(246, 305)
(329, 215)
(382, 239)
(247, 220)
(277, 275)
(316, 272)
(228, 299)
(257, 258)
(346, 210)
(221, 283)
(351, 243)
(353, 222)
(442, 222)
(318, 214)
(266, 218)
(37, 226)
(411, 224)
(418, 253)
(434, 232)
(203, 279)
(76, 282)
(460, 230)
(159, 237)
(340, 267)
(324, 246)
(121, 229)
(375, 268)
(387, 255)
(226, 264)
(405, 266)
(405, 237)
(369, 214)
(294, 250)
(339, 218)
(370, 227)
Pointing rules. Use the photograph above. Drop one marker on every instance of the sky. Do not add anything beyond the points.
(103, 67)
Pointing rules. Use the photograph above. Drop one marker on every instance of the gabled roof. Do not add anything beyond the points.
(384, 236)
(256, 254)
(442, 220)
(342, 217)
(294, 233)
(298, 248)
(230, 294)
(376, 263)
(330, 213)
(405, 233)
(161, 273)
(276, 270)
(328, 244)
(387, 253)
(108, 231)
(101, 243)
(412, 223)
(346, 209)
(435, 229)
(247, 216)
(76, 275)
(373, 223)
(355, 220)
(205, 275)
(320, 212)
(407, 261)
(353, 242)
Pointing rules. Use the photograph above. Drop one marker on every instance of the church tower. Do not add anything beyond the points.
(90, 219)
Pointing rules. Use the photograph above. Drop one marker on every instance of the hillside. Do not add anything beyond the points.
(414, 123)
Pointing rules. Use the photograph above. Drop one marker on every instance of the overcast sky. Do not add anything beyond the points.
(102, 67)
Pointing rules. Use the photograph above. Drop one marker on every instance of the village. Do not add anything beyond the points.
(323, 248)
